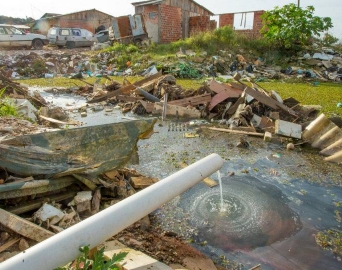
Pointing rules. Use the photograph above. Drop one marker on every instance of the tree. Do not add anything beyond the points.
(292, 25)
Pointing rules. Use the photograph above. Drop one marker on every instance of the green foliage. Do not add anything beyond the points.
(11, 20)
(99, 261)
(329, 39)
(7, 107)
(291, 25)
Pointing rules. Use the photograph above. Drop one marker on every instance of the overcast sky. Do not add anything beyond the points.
(36, 8)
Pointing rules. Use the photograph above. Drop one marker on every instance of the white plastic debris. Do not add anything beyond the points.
(48, 212)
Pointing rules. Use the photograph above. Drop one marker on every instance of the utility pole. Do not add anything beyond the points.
(298, 3)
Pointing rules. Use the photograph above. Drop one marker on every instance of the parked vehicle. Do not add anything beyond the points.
(70, 37)
(124, 29)
(11, 36)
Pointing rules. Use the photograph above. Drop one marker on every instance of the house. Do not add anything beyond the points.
(87, 19)
(170, 20)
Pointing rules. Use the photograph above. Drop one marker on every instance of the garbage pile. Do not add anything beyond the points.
(54, 205)
(315, 64)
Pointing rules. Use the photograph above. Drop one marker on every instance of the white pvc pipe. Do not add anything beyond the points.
(63, 247)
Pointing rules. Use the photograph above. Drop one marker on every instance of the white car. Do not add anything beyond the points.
(11, 36)
(70, 37)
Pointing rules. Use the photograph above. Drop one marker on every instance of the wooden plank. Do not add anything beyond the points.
(268, 101)
(8, 244)
(125, 89)
(128, 98)
(233, 108)
(142, 181)
(134, 260)
(238, 132)
(23, 227)
(193, 101)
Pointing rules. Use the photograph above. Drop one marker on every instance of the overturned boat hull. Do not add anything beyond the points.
(87, 150)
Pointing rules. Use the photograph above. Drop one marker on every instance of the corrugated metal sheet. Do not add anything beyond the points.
(323, 134)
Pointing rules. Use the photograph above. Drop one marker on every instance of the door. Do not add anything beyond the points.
(18, 38)
(77, 37)
(4, 37)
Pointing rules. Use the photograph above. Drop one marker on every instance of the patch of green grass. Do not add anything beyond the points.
(326, 95)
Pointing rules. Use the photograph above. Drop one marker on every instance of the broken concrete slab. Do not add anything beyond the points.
(288, 129)
(49, 213)
(178, 111)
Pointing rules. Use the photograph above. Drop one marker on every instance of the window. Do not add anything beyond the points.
(76, 32)
(64, 32)
(152, 15)
(2, 31)
(14, 31)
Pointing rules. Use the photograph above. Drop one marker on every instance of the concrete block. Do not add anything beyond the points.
(268, 136)
(288, 129)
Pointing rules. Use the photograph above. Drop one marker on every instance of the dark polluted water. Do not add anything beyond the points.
(254, 214)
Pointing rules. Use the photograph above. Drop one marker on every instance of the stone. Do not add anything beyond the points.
(23, 245)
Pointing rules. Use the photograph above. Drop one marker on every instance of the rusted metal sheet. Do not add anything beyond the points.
(217, 99)
(147, 105)
(193, 101)
(223, 91)
(92, 150)
(220, 87)
(128, 28)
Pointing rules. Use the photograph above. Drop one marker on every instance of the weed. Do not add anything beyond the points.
(84, 262)
(7, 107)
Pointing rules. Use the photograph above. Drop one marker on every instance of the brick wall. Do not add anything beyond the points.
(150, 15)
(171, 24)
(199, 24)
(228, 19)
(89, 20)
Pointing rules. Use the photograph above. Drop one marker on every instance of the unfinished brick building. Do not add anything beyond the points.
(171, 20)
(254, 32)
(87, 19)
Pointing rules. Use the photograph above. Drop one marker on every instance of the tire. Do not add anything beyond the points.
(37, 44)
(70, 44)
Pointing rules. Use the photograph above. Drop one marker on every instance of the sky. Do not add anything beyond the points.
(36, 8)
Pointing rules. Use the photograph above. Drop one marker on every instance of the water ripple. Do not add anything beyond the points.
(255, 214)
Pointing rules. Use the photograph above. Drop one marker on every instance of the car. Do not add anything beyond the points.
(70, 37)
(10, 36)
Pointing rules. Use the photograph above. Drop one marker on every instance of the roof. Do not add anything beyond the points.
(154, 2)
(16, 26)
(61, 15)
(46, 15)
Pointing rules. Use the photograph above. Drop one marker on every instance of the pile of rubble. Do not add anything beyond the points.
(318, 64)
